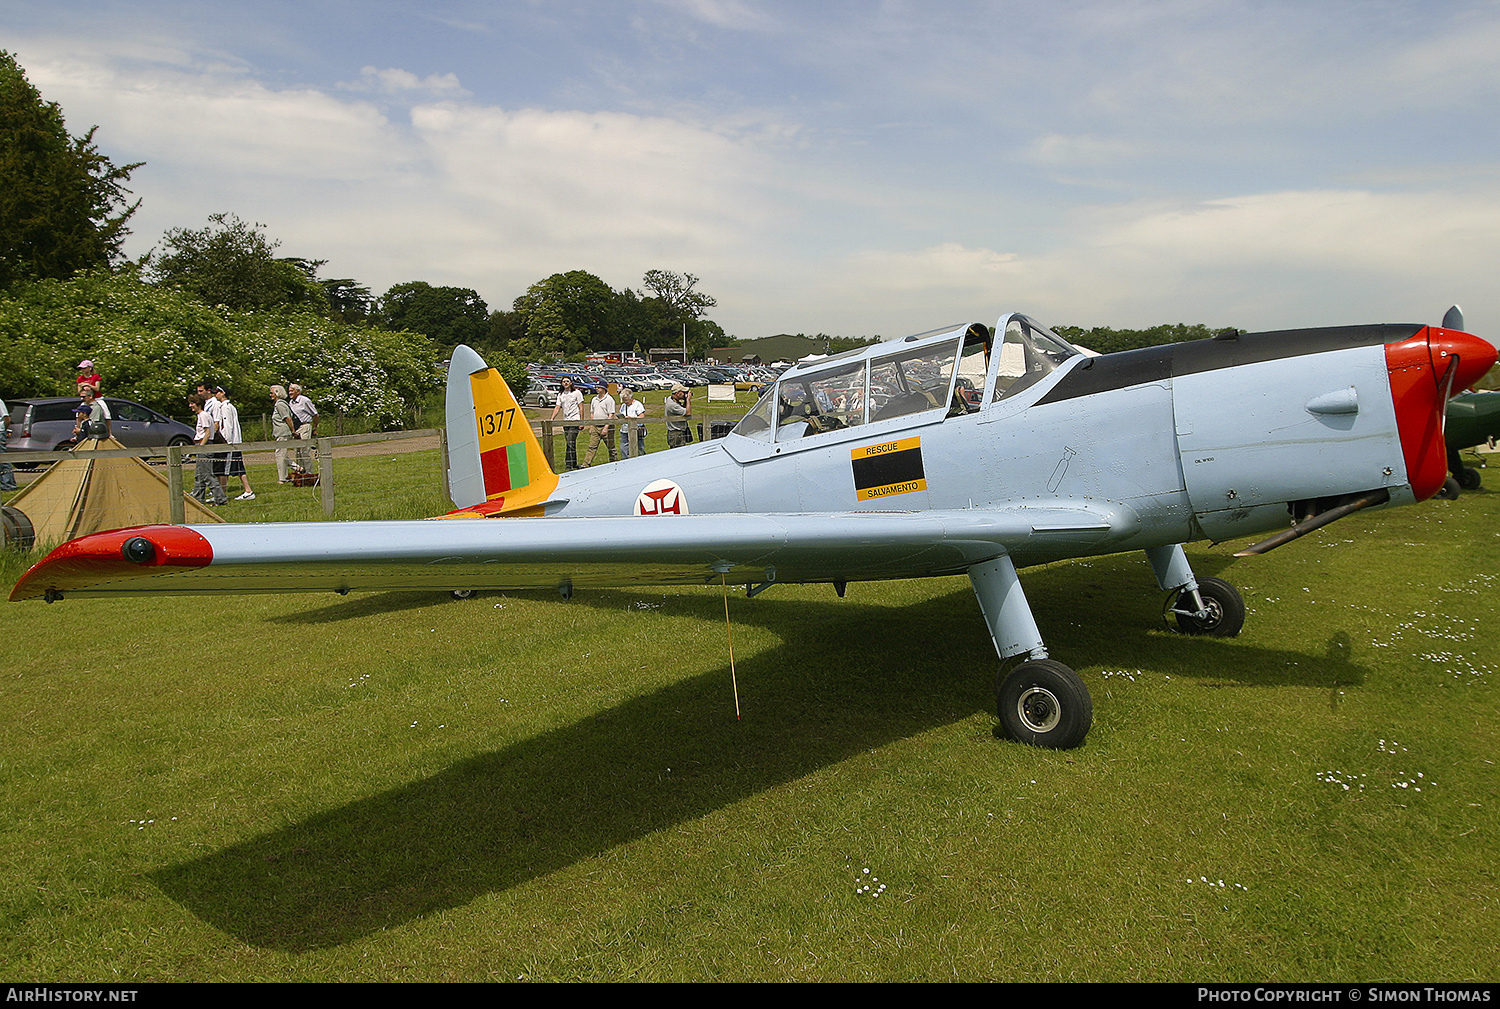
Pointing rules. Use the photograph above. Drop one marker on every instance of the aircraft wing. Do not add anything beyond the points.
(516, 553)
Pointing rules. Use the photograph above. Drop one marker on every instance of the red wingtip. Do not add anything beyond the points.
(100, 557)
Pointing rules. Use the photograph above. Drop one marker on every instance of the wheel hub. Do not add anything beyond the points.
(1038, 709)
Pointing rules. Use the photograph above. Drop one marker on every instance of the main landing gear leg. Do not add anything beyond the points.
(1202, 606)
(1041, 702)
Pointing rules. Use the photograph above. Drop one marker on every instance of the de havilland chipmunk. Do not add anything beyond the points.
(969, 450)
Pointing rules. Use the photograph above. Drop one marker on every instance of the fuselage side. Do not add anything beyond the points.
(1207, 439)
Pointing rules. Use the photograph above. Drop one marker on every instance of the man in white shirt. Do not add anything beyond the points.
(631, 409)
(205, 481)
(234, 464)
(570, 405)
(601, 408)
(305, 413)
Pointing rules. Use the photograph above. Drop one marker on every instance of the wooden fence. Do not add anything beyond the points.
(326, 447)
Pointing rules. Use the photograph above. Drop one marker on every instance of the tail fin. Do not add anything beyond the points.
(495, 464)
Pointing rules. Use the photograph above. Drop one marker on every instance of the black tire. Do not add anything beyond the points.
(1044, 703)
(1226, 610)
(1468, 478)
(179, 441)
(463, 593)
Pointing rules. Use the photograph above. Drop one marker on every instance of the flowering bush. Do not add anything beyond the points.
(152, 344)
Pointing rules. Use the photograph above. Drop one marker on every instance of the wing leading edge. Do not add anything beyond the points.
(539, 553)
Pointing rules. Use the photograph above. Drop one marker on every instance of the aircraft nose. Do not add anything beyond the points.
(1475, 355)
(1419, 388)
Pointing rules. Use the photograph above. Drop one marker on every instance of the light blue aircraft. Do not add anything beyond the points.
(967, 450)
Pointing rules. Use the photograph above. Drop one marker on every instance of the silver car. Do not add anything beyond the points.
(43, 425)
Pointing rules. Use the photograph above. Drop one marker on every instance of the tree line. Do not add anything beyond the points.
(218, 302)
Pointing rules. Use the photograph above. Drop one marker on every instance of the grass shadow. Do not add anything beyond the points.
(848, 677)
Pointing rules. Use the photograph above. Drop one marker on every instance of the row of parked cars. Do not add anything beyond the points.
(546, 379)
(46, 424)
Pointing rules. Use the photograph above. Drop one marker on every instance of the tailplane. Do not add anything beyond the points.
(495, 463)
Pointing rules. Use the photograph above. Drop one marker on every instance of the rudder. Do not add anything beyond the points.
(495, 464)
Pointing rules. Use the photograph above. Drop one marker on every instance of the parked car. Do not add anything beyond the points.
(541, 392)
(42, 425)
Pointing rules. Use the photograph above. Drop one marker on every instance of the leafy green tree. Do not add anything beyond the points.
(150, 343)
(504, 327)
(348, 300)
(361, 371)
(63, 204)
(1109, 341)
(232, 264)
(448, 315)
(676, 293)
(565, 314)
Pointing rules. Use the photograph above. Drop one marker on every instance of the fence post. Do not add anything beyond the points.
(547, 449)
(176, 511)
(325, 474)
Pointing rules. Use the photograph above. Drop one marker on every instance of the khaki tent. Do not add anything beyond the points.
(82, 495)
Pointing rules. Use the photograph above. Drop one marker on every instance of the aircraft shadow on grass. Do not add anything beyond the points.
(503, 818)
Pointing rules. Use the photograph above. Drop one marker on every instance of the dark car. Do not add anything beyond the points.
(41, 425)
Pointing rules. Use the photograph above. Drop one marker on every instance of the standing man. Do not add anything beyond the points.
(601, 408)
(281, 428)
(679, 410)
(229, 427)
(305, 413)
(570, 404)
(94, 421)
(631, 409)
(205, 484)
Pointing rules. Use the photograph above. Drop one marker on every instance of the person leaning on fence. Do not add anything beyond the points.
(679, 408)
(601, 408)
(281, 429)
(631, 409)
(205, 483)
(305, 424)
(570, 405)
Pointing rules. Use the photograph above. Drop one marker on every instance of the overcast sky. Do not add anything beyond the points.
(856, 168)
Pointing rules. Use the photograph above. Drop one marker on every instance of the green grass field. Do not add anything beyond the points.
(400, 786)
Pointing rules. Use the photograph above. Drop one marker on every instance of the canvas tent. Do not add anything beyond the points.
(83, 494)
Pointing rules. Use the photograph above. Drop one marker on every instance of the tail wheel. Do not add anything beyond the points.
(1044, 703)
(1225, 610)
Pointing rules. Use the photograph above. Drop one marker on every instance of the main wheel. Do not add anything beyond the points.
(1226, 610)
(1468, 478)
(1044, 703)
(463, 593)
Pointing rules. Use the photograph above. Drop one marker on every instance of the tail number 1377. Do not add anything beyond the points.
(496, 422)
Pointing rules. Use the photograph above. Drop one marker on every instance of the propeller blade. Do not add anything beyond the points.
(1453, 318)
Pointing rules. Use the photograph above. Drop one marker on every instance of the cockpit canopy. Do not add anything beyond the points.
(948, 369)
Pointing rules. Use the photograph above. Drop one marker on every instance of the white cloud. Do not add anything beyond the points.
(592, 182)
(392, 81)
